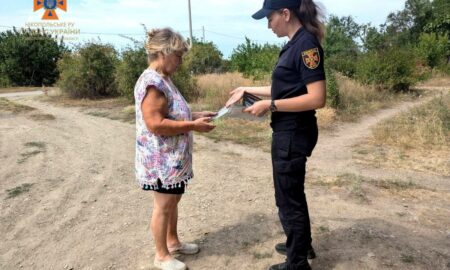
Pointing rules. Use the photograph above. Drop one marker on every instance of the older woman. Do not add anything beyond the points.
(164, 142)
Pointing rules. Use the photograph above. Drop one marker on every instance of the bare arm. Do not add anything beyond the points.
(314, 99)
(154, 111)
(237, 93)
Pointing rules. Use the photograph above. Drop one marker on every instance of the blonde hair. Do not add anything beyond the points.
(166, 41)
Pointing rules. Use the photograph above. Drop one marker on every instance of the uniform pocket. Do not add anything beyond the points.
(293, 165)
(281, 144)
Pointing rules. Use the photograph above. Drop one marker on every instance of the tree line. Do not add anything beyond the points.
(408, 47)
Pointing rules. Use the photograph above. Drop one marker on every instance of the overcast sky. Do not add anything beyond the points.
(226, 22)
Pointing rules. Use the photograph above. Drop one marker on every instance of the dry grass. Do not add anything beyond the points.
(112, 108)
(18, 89)
(215, 88)
(252, 133)
(9, 106)
(358, 99)
(437, 80)
(418, 140)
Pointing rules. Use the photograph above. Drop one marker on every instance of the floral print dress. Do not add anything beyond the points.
(162, 158)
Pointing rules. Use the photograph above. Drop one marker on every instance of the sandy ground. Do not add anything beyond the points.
(84, 210)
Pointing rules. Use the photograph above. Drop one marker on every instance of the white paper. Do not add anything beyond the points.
(222, 112)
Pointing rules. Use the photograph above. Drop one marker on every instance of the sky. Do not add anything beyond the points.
(225, 22)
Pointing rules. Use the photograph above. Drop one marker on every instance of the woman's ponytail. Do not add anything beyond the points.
(310, 16)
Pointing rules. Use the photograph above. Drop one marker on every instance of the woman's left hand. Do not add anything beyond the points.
(197, 115)
(258, 108)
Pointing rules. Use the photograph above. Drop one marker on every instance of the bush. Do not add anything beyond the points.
(342, 63)
(254, 60)
(89, 71)
(186, 83)
(204, 57)
(333, 97)
(28, 57)
(129, 68)
(433, 49)
(392, 69)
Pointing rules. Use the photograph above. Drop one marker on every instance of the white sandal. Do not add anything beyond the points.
(172, 264)
(185, 248)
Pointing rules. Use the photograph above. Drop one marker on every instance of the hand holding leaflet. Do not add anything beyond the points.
(221, 113)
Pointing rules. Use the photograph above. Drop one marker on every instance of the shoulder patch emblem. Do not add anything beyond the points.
(311, 58)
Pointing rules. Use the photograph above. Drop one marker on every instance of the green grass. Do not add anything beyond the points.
(18, 190)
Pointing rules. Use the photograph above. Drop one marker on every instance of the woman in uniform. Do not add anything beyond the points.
(298, 88)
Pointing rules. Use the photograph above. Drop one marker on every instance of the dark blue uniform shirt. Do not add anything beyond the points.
(300, 62)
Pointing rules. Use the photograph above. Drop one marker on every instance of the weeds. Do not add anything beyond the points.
(18, 190)
(9, 106)
(263, 255)
(252, 133)
(418, 139)
(36, 148)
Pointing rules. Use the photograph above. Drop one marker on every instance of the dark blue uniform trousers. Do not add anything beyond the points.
(289, 154)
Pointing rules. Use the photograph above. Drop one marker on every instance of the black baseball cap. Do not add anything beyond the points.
(270, 6)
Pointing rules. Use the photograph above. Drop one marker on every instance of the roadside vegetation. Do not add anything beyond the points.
(418, 139)
(367, 67)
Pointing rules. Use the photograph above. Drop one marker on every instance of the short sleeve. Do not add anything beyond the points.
(146, 81)
(310, 61)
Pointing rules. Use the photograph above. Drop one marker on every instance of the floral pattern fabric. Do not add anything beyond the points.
(162, 158)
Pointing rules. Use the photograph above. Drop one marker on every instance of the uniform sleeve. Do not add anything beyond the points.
(310, 61)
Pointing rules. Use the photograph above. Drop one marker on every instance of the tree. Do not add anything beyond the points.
(203, 57)
(432, 48)
(405, 26)
(29, 57)
(89, 71)
(252, 59)
(340, 46)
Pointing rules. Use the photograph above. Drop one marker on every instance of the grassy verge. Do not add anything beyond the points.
(252, 133)
(112, 108)
(415, 140)
(357, 100)
(215, 89)
(9, 106)
(18, 89)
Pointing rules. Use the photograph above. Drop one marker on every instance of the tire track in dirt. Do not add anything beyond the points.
(86, 210)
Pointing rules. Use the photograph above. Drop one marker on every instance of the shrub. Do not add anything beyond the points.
(133, 62)
(432, 48)
(204, 57)
(29, 57)
(186, 83)
(333, 97)
(392, 69)
(343, 63)
(254, 60)
(89, 71)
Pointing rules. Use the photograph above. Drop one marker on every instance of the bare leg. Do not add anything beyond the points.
(163, 208)
(172, 234)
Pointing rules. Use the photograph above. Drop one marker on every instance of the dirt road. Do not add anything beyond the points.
(77, 205)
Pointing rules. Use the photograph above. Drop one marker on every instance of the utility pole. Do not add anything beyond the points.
(203, 27)
(190, 23)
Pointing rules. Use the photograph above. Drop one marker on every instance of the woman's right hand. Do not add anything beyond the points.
(236, 95)
(203, 124)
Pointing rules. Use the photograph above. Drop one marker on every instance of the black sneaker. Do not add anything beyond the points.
(283, 266)
(281, 248)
